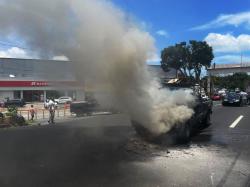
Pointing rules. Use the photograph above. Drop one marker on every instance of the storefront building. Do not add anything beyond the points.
(36, 80)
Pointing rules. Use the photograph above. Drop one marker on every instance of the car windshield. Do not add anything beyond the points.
(232, 94)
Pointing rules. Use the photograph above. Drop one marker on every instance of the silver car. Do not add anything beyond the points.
(64, 99)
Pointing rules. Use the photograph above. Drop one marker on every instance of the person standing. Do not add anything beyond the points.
(51, 112)
(32, 112)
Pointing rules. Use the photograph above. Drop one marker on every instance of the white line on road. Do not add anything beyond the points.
(217, 104)
(236, 122)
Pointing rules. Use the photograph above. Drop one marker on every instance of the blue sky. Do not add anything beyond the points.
(224, 24)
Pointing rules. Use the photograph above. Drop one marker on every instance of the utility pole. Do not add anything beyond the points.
(240, 59)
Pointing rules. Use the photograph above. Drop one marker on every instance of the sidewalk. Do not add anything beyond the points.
(61, 115)
(60, 119)
(44, 121)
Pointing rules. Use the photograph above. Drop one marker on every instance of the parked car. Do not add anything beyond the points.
(63, 100)
(46, 104)
(14, 102)
(248, 98)
(216, 97)
(204, 97)
(233, 98)
(1, 103)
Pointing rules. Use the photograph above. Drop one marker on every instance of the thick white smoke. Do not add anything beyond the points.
(107, 49)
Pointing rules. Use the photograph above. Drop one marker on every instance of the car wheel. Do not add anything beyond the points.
(207, 120)
(184, 133)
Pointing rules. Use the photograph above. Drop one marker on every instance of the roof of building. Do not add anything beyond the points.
(53, 70)
(228, 66)
(36, 69)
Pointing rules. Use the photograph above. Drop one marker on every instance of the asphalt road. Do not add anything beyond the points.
(104, 151)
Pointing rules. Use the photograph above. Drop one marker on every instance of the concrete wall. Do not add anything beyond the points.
(228, 71)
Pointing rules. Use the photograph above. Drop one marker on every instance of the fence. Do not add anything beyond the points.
(42, 113)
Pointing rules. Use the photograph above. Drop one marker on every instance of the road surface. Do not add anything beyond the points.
(104, 151)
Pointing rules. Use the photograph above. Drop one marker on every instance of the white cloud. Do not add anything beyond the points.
(62, 58)
(242, 18)
(154, 58)
(228, 42)
(14, 52)
(162, 33)
(231, 59)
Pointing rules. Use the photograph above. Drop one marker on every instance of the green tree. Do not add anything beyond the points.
(175, 57)
(237, 80)
(201, 55)
(188, 59)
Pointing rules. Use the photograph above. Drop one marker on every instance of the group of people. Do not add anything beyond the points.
(51, 108)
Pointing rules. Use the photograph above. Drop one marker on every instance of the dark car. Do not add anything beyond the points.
(83, 107)
(14, 102)
(233, 98)
(181, 133)
(248, 98)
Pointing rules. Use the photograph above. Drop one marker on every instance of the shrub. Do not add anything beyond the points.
(15, 118)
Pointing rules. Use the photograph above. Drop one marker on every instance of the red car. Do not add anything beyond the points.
(216, 97)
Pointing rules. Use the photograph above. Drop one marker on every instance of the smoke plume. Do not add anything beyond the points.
(108, 50)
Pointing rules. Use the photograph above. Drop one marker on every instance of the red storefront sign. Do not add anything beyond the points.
(35, 83)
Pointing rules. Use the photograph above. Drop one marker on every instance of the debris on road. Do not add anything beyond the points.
(140, 147)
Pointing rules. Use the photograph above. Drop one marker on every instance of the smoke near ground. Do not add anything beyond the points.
(108, 50)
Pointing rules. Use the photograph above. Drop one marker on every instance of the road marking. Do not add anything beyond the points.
(236, 122)
(212, 179)
(217, 104)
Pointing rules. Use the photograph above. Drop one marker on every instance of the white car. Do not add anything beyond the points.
(204, 96)
(47, 103)
(64, 99)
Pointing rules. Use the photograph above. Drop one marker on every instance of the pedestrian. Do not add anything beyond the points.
(51, 112)
(32, 112)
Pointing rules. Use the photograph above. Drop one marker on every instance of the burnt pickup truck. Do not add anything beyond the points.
(181, 133)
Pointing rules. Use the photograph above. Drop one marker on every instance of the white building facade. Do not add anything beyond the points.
(36, 80)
